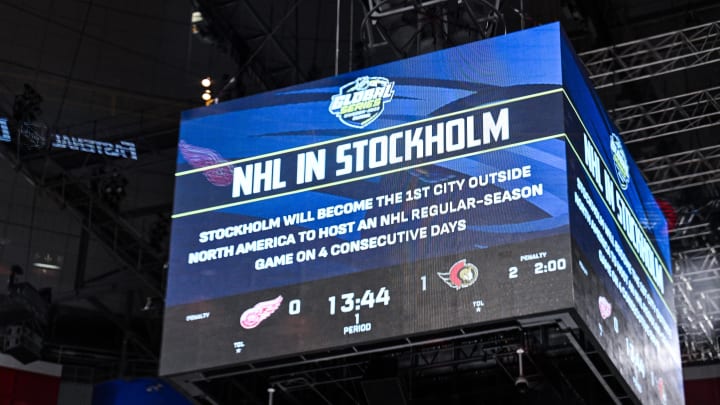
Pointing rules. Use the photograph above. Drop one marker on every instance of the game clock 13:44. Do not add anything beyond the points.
(350, 301)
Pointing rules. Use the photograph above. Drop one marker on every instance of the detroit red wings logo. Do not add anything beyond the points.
(605, 307)
(661, 390)
(199, 157)
(461, 275)
(258, 313)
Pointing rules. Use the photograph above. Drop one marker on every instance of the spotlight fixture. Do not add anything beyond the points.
(15, 271)
(47, 261)
(206, 82)
(206, 96)
(112, 188)
(46, 266)
(521, 383)
(201, 29)
(199, 26)
(152, 304)
(26, 106)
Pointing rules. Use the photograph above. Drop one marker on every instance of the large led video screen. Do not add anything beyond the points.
(621, 259)
(400, 199)
(418, 196)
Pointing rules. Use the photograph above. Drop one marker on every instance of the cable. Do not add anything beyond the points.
(129, 50)
(421, 11)
(337, 38)
(135, 13)
(367, 18)
(95, 86)
(66, 87)
(494, 10)
(269, 36)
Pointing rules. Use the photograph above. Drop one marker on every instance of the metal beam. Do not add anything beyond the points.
(668, 116)
(123, 325)
(682, 170)
(123, 240)
(697, 298)
(240, 50)
(653, 56)
(270, 35)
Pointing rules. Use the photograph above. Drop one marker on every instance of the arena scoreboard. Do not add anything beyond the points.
(477, 184)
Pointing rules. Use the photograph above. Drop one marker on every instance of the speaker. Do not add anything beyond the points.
(21, 343)
(384, 391)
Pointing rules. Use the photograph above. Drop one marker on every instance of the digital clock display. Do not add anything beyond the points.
(392, 201)
(369, 299)
(550, 265)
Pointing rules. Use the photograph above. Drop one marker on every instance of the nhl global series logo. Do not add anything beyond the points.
(622, 169)
(361, 101)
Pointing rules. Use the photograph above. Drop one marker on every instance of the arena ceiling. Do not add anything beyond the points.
(115, 71)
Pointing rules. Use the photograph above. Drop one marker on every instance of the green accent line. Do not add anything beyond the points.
(662, 262)
(387, 129)
(350, 180)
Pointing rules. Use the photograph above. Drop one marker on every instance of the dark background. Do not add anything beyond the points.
(116, 70)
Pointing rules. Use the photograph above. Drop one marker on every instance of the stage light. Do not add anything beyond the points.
(200, 28)
(112, 188)
(45, 266)
(26, 106)
(152, 304)
(15, 271)
(197, 22)
(206, 96)
(47, 261)
(206, 82)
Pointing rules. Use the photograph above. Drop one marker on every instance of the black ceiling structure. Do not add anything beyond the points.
(115, 71)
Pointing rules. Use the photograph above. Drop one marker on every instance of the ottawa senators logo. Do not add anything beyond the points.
(461, 275)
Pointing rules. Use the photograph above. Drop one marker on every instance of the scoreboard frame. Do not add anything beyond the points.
(480, 184)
